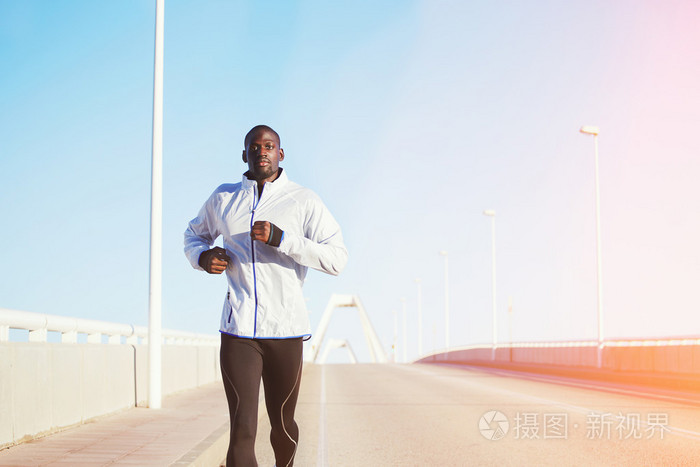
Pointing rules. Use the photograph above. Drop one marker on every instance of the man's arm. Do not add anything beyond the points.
(321, 247)
(199, 236)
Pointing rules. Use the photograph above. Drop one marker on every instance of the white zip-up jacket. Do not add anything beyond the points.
(264, 298)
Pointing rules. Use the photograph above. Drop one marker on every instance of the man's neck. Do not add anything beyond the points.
(261, 183)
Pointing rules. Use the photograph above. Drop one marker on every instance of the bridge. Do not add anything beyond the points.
(80, 402)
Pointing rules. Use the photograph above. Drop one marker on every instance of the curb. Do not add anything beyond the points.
(209, 452)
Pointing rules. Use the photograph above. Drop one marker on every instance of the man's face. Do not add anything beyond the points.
(263, 155)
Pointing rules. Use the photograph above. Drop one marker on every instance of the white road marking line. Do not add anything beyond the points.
(682, 432)
(321, 460)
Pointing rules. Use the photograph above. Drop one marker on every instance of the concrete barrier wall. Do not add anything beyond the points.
(45, 387)
(666, 359)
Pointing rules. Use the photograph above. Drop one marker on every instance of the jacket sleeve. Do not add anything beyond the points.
(321, 247)
(201, 233)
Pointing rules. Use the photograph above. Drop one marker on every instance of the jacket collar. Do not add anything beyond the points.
(279, 182)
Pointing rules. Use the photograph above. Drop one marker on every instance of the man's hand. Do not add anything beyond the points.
(214, 261)
(266, 232)
(260, 231)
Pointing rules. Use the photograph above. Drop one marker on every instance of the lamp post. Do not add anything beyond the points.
(396, 335)
(447, 302)
(510, 320)
(420, 317)
(510, 328)
(156, 254)
(592, 130)
(492, 214)
(405, 342)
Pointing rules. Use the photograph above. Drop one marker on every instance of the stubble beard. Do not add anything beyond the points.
(261, 173)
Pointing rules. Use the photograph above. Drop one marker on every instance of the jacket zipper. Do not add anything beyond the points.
(252, 252)
(230, 308)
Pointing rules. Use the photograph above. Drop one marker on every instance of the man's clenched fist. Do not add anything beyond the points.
(266, 232)
(214, 261)
(260, 231)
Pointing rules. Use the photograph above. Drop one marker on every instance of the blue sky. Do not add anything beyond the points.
(408, 118)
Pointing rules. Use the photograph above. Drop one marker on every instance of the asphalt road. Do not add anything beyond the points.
(427, 415)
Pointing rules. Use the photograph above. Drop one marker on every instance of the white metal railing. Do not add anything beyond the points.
(650, 342)
(39, 324)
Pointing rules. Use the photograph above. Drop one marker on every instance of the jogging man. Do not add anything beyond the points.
(273, 230)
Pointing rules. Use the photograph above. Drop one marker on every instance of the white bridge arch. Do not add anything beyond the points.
(347, 301)
(337, 344)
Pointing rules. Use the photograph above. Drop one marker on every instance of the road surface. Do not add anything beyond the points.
(430, 415)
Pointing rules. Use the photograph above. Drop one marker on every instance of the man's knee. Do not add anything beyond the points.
(244, 428)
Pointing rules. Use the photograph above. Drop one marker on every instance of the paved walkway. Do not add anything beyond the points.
(190, 429)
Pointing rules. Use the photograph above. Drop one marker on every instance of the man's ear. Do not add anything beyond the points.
(281, 154)
(245, 158)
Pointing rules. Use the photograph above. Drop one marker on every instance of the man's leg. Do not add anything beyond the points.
(281, 377)
(241, 369)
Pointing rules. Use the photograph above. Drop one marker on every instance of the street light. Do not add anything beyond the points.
(155, 286)
(510, 328)
(396, 335)
(447, 302)
(405, 343)
(420, 318)
(593, 130)
(492, 214)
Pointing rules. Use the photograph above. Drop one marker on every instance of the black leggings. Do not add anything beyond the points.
(243, 362)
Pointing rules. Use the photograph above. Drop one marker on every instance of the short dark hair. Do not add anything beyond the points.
(257, 128)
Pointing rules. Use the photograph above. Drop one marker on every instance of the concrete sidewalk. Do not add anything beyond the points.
(190, 429)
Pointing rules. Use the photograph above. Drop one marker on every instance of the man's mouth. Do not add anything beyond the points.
(262, 163)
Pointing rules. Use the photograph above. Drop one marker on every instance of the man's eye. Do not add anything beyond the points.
(269, 146)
